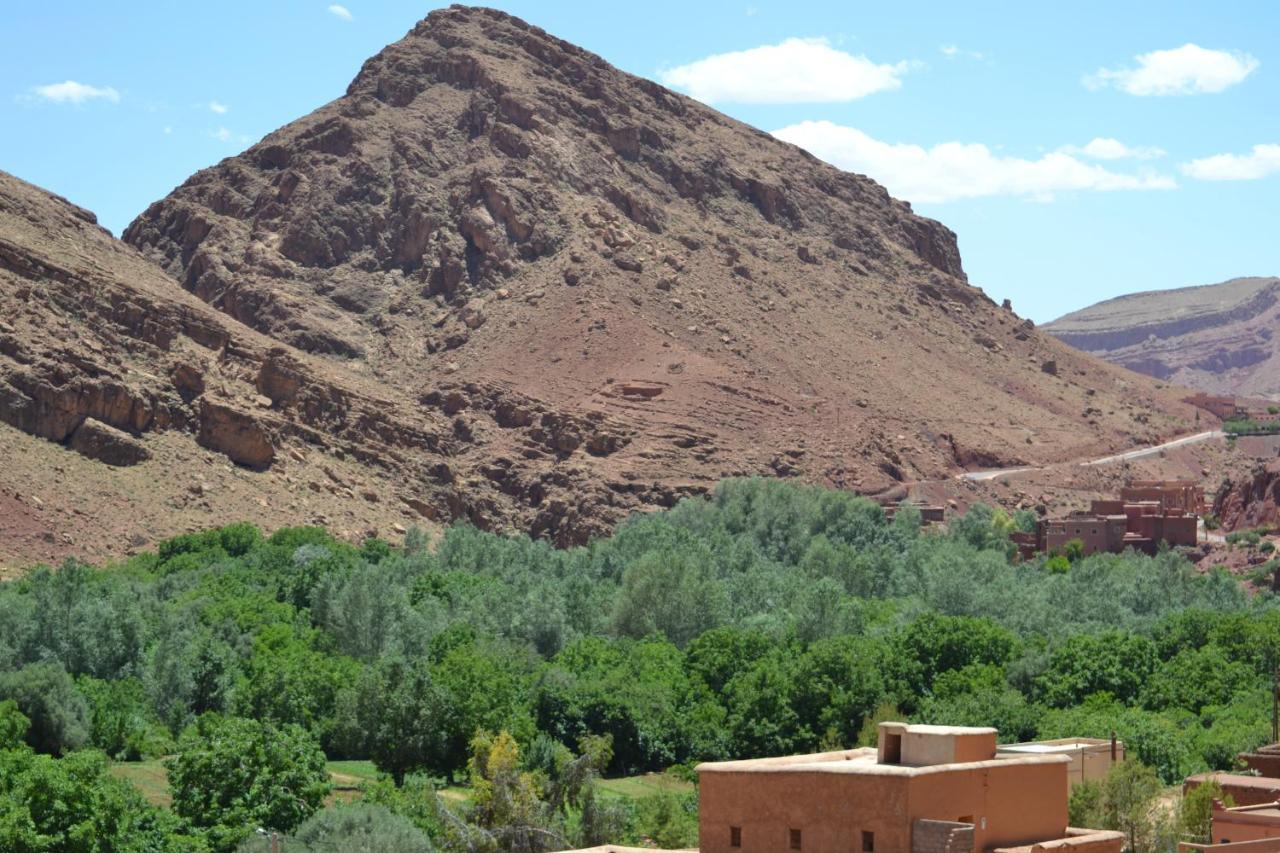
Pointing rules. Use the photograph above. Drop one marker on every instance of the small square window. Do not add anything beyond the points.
(868, 842)
(735, 836)
(795, 839)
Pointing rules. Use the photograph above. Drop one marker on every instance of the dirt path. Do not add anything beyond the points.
(1140, 453)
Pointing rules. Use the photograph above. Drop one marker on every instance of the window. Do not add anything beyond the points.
(795, 839)
(868, 842)
(735, 836)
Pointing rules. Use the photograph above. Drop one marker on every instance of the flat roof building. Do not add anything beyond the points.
(924, 789)
(1091, 758)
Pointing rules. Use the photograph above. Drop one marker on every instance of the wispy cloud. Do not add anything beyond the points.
(1107, 148)
(955, 170)
(1186, 70)
(218, 107)
(341, 11)
(1261, 162)
(71, 92)
(222, 135)
(951, 51)
(796, 71)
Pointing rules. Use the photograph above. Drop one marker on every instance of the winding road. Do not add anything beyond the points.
(1140, 453)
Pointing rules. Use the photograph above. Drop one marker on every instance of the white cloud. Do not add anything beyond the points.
(71, 92)
(222, 135)
(1186, 70)
(1262, 161)
(168, 129)
(341, 11)
(956, 170)
(794, 72)
(219, 108)
(951, 51)
(1107, 148)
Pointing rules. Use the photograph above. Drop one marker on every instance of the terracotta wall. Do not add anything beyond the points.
(1243, 790)
(1008, 804)
(831, 810)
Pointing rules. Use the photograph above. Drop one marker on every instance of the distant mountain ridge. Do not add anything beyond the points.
(1219, 338)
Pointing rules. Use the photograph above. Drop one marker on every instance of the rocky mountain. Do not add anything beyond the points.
(1219, 338)
(500, 280)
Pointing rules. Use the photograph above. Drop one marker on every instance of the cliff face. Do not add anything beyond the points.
(1250, 500)
(500, 280)
(1218, 338)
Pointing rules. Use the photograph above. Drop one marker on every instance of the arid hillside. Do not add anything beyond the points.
(1218, 338)
(501, 280)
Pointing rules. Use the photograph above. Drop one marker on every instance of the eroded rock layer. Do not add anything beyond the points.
(1219, 338)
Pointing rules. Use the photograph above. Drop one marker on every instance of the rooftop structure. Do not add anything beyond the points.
(931, 789)
(1245, 823)
(1265, 761)
(1091, 758)
(1243, 790)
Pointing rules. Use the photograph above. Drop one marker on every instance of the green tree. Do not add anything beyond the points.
(73, 804)
(1127, 803)
(360, 826)
(48, 697)
(1195, 811)
(233, 775)
(1195, 678)
(669, 593)
(13, 725)
(1114, 662)
(400, 717)
(934, 644)
(288, 680)
(506, 800)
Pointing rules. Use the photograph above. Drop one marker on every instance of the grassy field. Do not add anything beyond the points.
(645, 785)
(150, 779)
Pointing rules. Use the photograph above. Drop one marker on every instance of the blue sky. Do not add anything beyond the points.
(1080, 151)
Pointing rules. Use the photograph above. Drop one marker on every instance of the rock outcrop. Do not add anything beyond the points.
(1219, 338)
(1250, 500)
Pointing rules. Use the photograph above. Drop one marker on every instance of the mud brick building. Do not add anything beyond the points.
(924, 789)
(1147, 513)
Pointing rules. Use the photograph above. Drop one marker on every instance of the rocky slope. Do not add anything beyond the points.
(1250, 498)
(500, 280)
(1218, 338)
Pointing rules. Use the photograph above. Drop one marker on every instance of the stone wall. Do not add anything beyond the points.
(941, 836)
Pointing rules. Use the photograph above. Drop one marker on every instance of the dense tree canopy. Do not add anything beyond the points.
(768, 617)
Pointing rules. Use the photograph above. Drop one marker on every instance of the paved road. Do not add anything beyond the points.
(1140, 453)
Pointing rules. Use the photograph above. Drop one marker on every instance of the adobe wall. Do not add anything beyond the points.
(1076, 841)
(1009, 804)
(1265, 763)
(941, 836)
(831, 810)
(1270, 845)
(1244, 790)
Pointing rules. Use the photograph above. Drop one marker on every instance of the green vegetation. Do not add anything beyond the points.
(768, 618)
(1248, 426)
